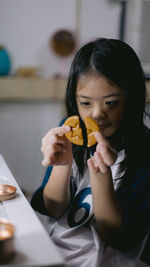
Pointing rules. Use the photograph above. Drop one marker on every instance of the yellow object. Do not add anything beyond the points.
(75, 135)
(27, 72)
(91, 127)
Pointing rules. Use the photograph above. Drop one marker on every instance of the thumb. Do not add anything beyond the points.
(45, 162)
(92, 168)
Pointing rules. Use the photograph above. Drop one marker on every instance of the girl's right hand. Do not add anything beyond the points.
(56, 148)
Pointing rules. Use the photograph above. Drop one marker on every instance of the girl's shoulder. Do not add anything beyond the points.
(136, 184)
(142, 148)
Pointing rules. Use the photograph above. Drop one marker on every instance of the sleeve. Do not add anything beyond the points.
(135, 202)
(37, 201)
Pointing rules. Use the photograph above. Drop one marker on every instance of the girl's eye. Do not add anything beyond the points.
(86, 104)
(112, 103)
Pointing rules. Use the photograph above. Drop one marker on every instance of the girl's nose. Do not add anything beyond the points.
(98, 112)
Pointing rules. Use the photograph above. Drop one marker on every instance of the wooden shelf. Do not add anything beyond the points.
(32, 89)
(37, 89)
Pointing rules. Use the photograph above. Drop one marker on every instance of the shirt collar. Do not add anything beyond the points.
(120, 157)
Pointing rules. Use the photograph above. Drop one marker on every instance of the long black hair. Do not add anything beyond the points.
(118, 63)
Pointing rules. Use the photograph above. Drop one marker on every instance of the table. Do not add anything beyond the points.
(32, 243)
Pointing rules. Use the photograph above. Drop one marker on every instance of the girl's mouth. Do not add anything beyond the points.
(103, 126)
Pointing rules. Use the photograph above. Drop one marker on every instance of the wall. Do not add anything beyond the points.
(25, 30)
(27, 25)
(22, 126)
(137, 30)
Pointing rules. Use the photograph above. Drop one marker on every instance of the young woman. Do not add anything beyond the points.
(100, 196)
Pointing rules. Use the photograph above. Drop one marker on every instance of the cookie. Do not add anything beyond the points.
(91, 127)
(75, 135)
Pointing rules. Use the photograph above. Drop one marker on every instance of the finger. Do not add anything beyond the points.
(102, 141)
(61, 130)
(50, 153)
(92, 169)
(108, 154)
(100, 138)
(54, 148)
(51, 142)
(47, 161)
(55, 140)
(100, 163)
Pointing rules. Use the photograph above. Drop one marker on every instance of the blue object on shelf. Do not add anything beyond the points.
(4, 62)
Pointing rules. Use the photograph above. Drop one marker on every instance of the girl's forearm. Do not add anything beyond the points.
(107, 210)
(56, 193)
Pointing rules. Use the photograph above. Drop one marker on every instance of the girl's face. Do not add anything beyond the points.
(102, 101)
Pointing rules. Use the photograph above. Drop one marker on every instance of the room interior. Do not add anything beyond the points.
(32, 87)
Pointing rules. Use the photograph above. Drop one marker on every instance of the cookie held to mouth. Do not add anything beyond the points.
(75, 135)
(91, 127)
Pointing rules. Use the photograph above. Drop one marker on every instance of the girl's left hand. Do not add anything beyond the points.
(104, 156)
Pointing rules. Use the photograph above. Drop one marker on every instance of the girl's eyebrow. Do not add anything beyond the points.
(106, 96)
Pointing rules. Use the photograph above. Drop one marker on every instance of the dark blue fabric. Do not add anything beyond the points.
(37, 201)
(135, 202)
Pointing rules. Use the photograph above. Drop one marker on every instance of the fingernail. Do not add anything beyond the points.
(67, 128)
(45, 161)
(96, 134)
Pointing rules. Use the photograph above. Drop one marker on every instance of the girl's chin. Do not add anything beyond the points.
(108, 133)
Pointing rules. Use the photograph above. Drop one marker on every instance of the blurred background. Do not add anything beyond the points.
(38, 40)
